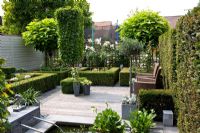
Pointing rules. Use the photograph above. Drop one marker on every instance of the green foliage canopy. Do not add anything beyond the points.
(71, 34)
(19, 13)
(145, 26)
(41, 35)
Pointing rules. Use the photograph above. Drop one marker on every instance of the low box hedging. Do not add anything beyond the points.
(107, 77)
(43, 82)
(8, 71)
(67, 85)
(124, 76)
(158, 100)
(60, 74)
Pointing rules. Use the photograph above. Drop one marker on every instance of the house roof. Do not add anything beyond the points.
(103, 24)
(172, 20)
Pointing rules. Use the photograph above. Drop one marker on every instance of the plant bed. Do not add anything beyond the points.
(107, 77)
(124, 76)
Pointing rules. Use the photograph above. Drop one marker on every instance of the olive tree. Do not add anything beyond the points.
(131, 48)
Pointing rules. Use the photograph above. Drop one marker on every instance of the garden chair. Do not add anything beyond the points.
(149, 75)
(146, 82)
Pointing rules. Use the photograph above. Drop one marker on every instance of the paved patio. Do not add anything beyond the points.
(54, 103)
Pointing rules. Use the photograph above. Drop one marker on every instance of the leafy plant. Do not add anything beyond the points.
(108, 121)
(86, 82)
(129, 100)
(142, 121)
(4, 101)
(71, 34)
(75, 74)
(30, 96)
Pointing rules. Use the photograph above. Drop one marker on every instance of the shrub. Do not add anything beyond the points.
(9, 71)
(42, 35)
(107, 77)
(71, 34)
(44, 82)
(108, 121)
(158, 100)
(67, 85)
(124, 76)
(142, 121)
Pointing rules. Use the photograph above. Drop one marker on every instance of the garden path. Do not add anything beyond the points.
(79, 109)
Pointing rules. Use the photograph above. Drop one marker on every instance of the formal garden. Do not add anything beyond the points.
(157, 66)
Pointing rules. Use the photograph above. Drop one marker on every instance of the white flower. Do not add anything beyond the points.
(112, 45)
(14, 79)
(106, 43)
(27, 76)
(98, 41)
(90, 40)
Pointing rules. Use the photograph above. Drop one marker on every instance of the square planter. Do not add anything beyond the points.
(127, 109)
(86, 89)
(76, 88)
(18, 109)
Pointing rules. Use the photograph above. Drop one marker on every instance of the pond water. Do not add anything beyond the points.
(70, 129)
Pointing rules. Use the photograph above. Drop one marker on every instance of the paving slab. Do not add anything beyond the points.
(68, 108)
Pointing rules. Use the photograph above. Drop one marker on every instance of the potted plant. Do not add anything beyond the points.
(76, 82)
(24, 99)
(86, 86)
(128, 105)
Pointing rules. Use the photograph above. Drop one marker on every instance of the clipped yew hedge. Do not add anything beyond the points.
(124, 76)
(8, 71)
(105, 78)
(70, 23)
(186, 42)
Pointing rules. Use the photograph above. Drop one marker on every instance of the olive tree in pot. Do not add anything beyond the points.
(86, 86)
(128, 105)
(131, 48)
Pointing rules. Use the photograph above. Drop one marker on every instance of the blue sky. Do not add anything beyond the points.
(113, 10)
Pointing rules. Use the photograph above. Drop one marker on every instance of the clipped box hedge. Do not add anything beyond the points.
(60, 74)
(67, 85)
(124, 76)
(158, 100)
(107, 77)
(8, 71)
(43, 82)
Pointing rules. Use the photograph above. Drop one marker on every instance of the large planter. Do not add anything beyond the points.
(86, 89)
(76, 88)
(127, 109)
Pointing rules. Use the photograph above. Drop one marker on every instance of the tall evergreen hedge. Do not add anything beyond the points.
(70, 34)
(186, 42)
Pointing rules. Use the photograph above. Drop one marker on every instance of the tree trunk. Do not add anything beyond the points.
(130, 76)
